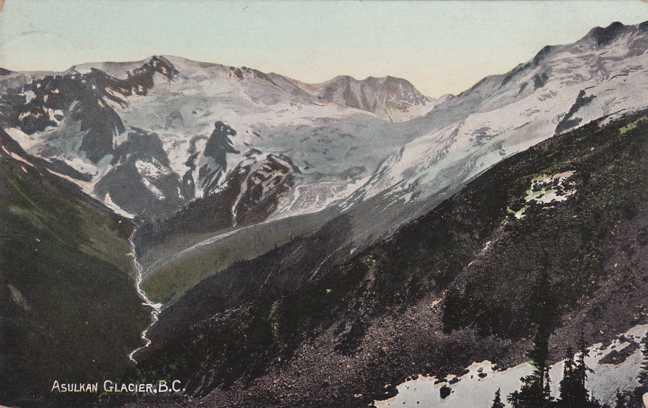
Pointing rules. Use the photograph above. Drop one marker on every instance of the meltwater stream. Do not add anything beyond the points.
(155, 307)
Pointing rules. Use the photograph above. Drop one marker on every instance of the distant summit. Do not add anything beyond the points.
(391, 98)
(602, 36)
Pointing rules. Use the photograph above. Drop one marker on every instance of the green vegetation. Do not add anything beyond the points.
(168, 279)
(72, 312)
(631, 126)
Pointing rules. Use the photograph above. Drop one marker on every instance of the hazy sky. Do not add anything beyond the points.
(440, 46)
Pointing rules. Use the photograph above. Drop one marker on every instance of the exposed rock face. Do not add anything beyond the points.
(263, 182)
(251, 193)
(602, 36)
(217, 147)
(83, 97)
(140, 176)
(395, 99)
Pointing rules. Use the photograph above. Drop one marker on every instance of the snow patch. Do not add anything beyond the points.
(117, 209)
(153, 189)
(153, 168)
(29, 95)
(547, 189)
(24, 140)
(314, 197)
(17, 157)
(550, 189)
(477, 387)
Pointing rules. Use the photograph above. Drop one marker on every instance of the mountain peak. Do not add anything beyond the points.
(602, 36)
(390, 97)
(368, 79)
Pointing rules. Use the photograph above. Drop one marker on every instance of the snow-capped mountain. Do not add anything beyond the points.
(394, 99)
(150, 136)
(604, 74)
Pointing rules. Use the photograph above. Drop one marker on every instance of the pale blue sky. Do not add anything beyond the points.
(440, 46)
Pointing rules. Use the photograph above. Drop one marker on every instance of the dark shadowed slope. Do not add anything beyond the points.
(68, 306)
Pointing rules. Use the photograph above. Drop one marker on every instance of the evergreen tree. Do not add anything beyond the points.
(643, 374)
(497, 402)
(581, 396)
(535, 391)
(568, 383)
(546, 392)
(573, 386)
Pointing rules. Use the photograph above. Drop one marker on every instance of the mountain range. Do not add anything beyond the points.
(356, 232)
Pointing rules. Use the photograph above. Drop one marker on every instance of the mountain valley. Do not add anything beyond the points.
(322, 245)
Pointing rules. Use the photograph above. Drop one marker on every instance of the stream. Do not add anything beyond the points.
(155, 307)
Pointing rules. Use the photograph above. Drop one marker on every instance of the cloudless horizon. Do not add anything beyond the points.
(441, 47)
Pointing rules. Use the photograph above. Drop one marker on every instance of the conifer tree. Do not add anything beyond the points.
(567, 384)
(535, 391)
(581, 396)
(643, 374)
(546, 392)
(573, 386)
(497, 402)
